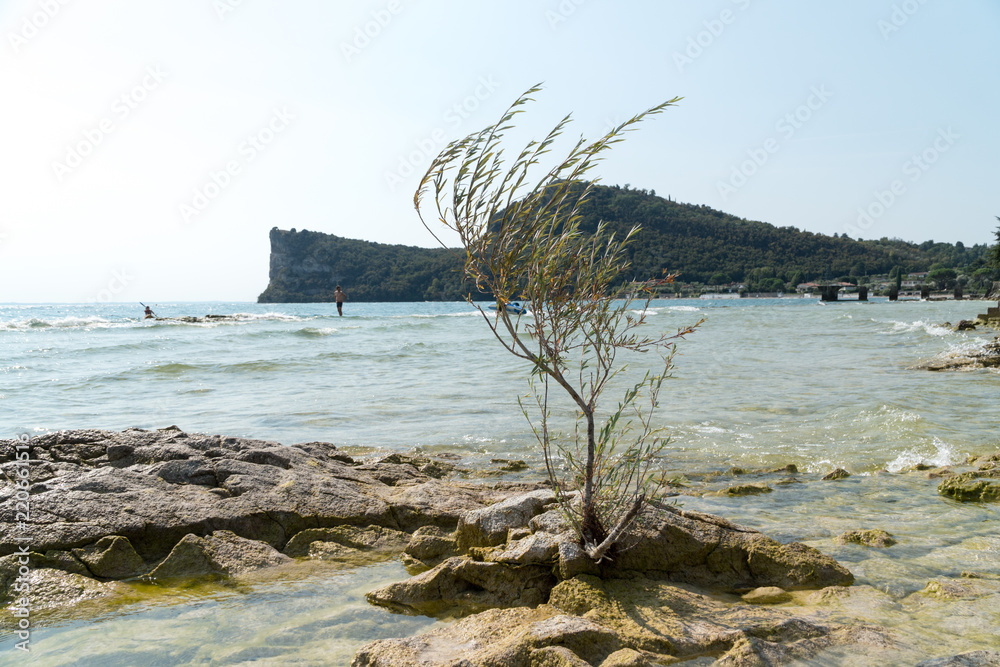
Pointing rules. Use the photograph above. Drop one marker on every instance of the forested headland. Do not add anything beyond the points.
(707, 247)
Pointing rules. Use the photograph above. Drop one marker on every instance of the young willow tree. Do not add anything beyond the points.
(519, 225)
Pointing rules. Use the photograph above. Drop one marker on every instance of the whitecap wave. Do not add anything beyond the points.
(70, 321)
(944, 455)
(920, 325)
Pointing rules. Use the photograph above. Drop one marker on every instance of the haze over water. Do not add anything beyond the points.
(761, 384)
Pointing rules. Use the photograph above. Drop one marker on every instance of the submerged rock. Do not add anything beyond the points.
(767, 595)
(987, 356)
(868, 538)
(978, 486)
(747, 490)
(970, 659)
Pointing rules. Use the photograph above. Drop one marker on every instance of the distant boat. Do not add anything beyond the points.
(512, 307)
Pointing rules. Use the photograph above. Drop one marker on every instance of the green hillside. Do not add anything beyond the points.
(704, 245)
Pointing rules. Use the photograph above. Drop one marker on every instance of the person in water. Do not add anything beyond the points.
(340, 298)
(149, 313)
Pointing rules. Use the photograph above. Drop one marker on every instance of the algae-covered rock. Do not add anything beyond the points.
(462, 585)
(747, 489)
(627, 657)
(222, 552)
(622, 623)
(556, 656)
(705, 550)
(767, 595)
(869, 538)
(112, 558)
(976, 487)
(362, 538)
(54, 589)
(946, 589)
(430, 543)
(839, 473)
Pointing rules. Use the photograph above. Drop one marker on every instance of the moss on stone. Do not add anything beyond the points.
(869, 538)
(970, 487)
(747, 489)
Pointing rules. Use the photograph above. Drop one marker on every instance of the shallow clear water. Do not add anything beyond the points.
(761, 384)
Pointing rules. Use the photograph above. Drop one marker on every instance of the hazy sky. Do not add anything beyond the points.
(147, 146)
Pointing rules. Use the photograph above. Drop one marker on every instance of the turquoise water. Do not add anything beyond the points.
(761, 384)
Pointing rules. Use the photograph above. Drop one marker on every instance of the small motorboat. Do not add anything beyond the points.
(512, 307)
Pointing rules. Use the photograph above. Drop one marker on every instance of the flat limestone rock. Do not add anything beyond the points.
(154, 487)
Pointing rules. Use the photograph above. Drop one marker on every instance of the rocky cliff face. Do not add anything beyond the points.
(307, 266)
(295, 274)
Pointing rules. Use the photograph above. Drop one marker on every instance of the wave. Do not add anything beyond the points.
(920, 325)
(171, 369)
(945, 455)
(316, 332)
(97, 322)
(92, 321)
(472, 313)
(253, 366)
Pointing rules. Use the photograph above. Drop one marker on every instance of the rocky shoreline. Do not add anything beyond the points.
(166, 506)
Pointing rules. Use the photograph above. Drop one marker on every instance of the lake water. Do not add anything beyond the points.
(761, 384)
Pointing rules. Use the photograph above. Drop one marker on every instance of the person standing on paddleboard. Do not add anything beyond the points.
(340, 298)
